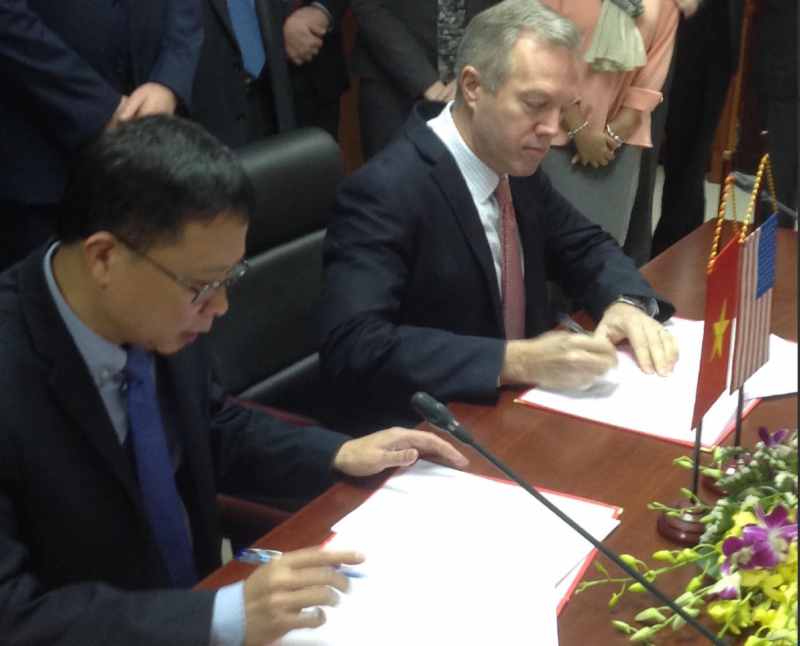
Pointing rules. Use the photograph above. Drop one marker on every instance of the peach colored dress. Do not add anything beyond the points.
(602, 94)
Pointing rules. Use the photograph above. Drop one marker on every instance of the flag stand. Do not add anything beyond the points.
(738, 378)
(686, 529)
(737, 435)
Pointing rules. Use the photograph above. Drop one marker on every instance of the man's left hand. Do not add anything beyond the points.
(303, 32)
(394, 447)
(148, 98)
(655, 346)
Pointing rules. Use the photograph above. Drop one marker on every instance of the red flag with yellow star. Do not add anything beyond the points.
(721, 303)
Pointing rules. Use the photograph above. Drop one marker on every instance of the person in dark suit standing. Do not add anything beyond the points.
(705, 61)
(267, 67)
(313, 36)
(404, 52)
(438, 252)
(67, 69)
(114, 438)
(243, 93)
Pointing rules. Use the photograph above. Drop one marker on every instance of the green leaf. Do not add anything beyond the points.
(678, 622)
(651, 614)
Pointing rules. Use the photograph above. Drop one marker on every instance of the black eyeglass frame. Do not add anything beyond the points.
(200, 293)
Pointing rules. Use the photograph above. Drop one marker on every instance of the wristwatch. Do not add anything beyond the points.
(647, 305)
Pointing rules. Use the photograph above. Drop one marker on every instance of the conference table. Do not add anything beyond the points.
(585, 459)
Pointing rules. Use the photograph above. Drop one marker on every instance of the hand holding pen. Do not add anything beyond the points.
(259, 556)
(276, 593)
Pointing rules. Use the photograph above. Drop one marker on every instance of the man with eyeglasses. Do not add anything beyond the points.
(113, 437)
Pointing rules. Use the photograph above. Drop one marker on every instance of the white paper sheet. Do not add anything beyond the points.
(663, 406)
(454, 558)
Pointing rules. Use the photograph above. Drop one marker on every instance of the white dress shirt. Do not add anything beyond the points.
(481, 182)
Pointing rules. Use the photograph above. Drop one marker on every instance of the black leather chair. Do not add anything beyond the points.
(265, 347)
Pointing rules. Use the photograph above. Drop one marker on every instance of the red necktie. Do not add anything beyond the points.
(513, 280)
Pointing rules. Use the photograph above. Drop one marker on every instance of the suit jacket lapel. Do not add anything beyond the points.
(448, 177)
(69, 378)
(220, 7)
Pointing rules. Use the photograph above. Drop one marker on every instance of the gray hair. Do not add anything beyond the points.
(492, 34)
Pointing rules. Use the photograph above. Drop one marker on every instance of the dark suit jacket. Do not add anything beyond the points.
(63, 68)
(397, 41)
(74, 536)
(220, 90)
(410, 294)
(326, 73)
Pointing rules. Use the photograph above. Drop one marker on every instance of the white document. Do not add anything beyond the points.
(779, 375)
(454, 558)
(663, 406)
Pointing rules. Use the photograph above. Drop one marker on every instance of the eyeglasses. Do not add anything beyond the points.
(201, 292)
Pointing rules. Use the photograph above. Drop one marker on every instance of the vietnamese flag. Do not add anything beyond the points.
(721, 303)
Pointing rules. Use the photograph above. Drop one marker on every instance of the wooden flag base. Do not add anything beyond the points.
(710, 484)
(684, 530)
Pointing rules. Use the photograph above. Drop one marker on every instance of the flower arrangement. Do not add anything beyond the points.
(747, 556)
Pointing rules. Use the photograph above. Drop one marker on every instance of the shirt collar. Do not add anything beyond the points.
(481, 180)
(105, 360)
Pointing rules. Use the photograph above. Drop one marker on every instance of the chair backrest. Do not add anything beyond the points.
(265, 347)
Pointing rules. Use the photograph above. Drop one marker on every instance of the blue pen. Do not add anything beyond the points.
(257, 556)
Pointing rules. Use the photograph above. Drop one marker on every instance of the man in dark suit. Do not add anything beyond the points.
(235, 104)
(113, 437)
(317, 68)
(705, 61)
(435, 274)
(396, 57)
(67, 69)
(290, 71)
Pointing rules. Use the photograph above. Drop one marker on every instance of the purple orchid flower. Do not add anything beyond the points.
(763, 545)
(727, 588)
(772, 440)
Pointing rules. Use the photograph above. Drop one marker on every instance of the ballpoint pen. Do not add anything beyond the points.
(572, 325)
(257, 556)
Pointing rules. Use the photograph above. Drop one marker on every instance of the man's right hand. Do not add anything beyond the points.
(556, 360)
(276, 593)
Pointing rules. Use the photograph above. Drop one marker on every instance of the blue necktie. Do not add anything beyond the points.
(153, 465)
(245, 24)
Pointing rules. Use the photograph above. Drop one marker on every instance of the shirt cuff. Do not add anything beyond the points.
(324, 10)
(643, 99)
(228, 621)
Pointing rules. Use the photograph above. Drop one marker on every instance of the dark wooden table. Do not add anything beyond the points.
(585, 459)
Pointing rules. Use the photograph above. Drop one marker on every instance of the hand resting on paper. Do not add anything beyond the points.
(656, 348)
(276, 593)
(394, 447)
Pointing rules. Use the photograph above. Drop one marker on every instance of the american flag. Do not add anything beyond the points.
(756, 279)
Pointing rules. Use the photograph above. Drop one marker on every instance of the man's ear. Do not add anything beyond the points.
(470, 85)
(102, 253)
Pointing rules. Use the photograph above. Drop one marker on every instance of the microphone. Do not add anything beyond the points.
(439, 416)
